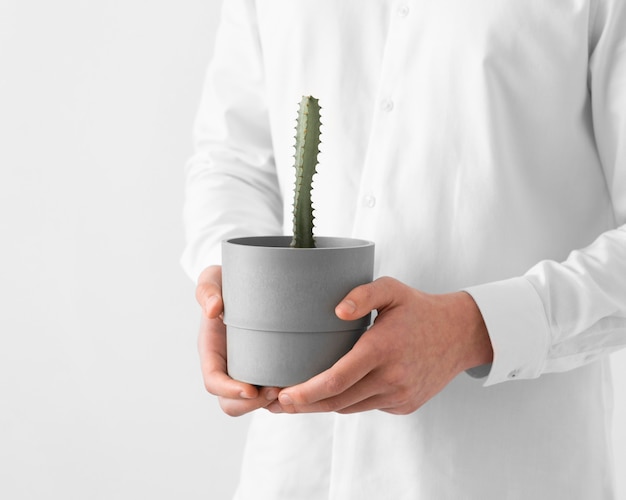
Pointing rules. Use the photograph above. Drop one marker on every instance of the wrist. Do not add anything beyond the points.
(473, 339)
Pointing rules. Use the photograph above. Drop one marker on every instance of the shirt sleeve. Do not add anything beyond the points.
(231, 182)
(561, 315)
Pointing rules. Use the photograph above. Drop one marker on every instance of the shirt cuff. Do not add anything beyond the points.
(517, 326)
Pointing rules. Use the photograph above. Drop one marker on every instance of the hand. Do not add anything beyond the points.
(417, 345)
(235, 398)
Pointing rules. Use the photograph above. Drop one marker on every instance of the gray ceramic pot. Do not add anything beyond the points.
(279, 305)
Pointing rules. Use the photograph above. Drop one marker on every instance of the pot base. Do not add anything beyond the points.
(282, 359)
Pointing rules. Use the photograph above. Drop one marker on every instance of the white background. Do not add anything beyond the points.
(100, 391)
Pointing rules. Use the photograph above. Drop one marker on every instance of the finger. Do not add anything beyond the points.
(345, 373)
(212, 350)
(372, 403)
(237, 407)
(365, 298)
(365, 390)
(380, 402)
(209, 291)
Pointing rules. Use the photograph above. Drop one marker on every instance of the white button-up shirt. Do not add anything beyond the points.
(482, 146)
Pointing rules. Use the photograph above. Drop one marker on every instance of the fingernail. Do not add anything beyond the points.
(244, 395)
(285, 399)
(271, 395)
(348, 306)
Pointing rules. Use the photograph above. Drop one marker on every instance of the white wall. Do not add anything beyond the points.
(100, 391)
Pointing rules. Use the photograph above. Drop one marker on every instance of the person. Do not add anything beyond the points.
(482, 147)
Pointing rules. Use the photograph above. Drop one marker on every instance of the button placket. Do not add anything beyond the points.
(393, 67)
(374, 174)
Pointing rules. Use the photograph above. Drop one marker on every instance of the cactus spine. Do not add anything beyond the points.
(307, 149)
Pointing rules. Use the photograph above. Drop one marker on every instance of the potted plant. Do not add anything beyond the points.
(280, 292)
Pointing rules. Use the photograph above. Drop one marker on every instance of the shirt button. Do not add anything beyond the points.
(514, 374)
(386, 105)
(369, 200)
(403, 10)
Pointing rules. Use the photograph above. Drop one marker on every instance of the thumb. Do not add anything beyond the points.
(363, 299)
(209, 291)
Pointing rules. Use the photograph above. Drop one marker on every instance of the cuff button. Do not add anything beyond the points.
(514, 374)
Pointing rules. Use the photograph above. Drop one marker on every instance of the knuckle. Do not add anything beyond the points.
(403, 404)
(201, 294)
(208, 386)
(412, 407)
(210, 383)
(402, 399)
(364, 294)
(205, 290)
(367, 292)
(386, 281)
(409, 408)
(399, 398)
(335, 383)
(232, 410)
(396, 411)
(394, 286)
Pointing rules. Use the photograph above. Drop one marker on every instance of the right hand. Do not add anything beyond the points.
(236, 398)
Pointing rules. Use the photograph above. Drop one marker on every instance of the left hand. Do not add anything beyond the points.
(419, 342)
(236, 398)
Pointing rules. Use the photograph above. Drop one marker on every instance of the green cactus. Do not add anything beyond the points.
(307, 149)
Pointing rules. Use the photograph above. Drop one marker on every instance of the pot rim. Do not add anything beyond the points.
(283, 242)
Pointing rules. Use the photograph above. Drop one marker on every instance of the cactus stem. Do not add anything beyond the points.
(307, 149)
